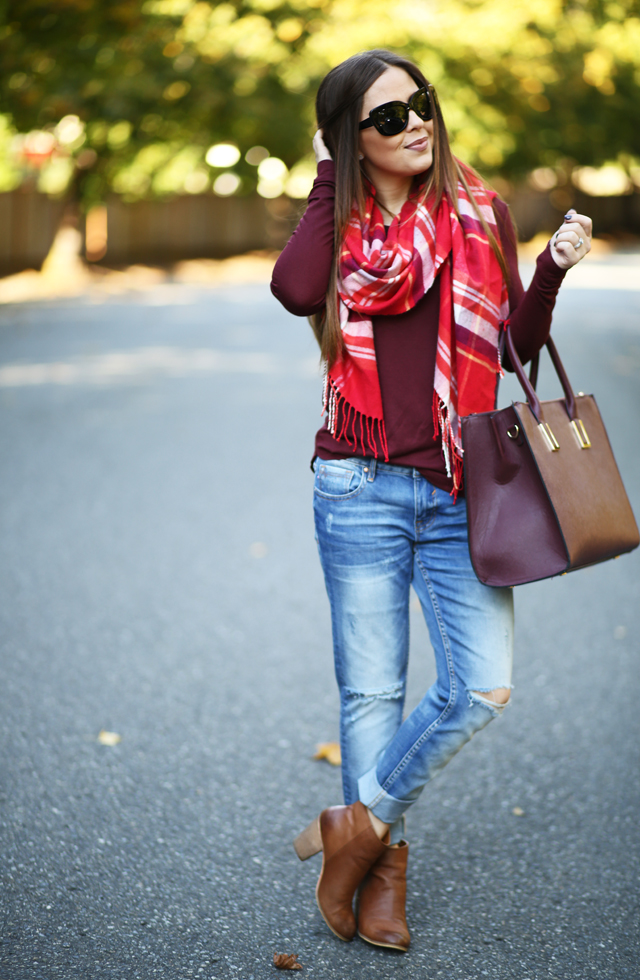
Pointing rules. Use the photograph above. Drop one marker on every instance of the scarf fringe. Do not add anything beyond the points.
(451, 452)
(343, 422)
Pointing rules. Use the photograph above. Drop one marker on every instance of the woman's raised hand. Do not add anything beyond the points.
(572, 240)
(320, 148)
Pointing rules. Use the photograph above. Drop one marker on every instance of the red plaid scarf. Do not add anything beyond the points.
(386, 273)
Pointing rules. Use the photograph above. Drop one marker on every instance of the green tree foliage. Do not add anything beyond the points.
(523, 83)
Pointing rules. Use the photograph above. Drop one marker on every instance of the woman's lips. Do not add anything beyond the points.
(418, 145)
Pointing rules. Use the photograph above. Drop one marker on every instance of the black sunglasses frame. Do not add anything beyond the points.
(372, 121)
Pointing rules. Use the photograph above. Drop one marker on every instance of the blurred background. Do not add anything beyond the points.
(165, 639)
(164, 130)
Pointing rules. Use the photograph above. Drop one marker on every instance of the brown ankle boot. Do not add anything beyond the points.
(381, 903)
(349, 848)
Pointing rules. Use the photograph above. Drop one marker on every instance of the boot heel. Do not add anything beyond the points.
(309, 842)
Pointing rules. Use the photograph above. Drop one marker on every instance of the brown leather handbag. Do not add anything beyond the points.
(544, 495)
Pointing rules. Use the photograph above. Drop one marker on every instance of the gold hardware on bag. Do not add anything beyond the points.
(513, 432)
(548, 436)
(581, 434)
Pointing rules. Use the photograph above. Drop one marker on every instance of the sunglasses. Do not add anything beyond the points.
(392, 117)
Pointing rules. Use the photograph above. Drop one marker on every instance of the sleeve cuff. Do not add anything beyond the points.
(548, 268)
(327, 171)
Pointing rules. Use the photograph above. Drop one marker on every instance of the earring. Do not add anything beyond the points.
(360, 156)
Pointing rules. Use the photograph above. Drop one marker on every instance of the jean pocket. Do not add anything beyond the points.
(339, 478)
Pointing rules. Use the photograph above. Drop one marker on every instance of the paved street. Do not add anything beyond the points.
(160, 581)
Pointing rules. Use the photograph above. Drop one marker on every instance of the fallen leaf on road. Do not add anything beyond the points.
(109, 738)
(329, 751)
(286, 961)
(517, 812)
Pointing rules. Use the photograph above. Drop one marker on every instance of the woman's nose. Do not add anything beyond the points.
(414, 120)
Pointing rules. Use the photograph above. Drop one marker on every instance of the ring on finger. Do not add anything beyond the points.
(580, 242)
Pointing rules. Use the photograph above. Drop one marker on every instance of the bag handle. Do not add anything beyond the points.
(528, 386)
(535, 360)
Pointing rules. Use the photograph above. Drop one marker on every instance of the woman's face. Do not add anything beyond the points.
(411, 151)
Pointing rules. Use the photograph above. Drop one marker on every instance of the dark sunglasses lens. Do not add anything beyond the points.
(421, 105)
(390, 120)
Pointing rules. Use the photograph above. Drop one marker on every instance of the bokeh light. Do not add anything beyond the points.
(70, 131)
(256, 155)
(222, 155)
(226, 184)
(196, 182)
(272, 168)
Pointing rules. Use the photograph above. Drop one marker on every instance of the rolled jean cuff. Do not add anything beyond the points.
(383, 806)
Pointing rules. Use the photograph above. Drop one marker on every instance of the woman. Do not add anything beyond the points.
(406, 263)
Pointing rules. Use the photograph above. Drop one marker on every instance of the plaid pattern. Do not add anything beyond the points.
(387, 273)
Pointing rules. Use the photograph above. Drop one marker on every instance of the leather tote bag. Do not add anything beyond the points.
(544, 495)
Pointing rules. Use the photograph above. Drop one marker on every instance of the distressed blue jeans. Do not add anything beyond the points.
(380, 529)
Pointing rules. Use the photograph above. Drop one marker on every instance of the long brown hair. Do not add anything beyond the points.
(338, 111)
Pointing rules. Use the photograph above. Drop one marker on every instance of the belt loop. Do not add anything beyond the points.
(371, 463)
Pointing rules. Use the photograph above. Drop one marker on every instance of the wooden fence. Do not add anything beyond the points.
(152, 232)
(534, 211)
(28, 225)
(195, 227)
(162, 232)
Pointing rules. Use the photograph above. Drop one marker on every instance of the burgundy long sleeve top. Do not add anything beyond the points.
(405, 344)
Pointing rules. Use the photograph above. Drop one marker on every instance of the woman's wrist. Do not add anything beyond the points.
(547, 266)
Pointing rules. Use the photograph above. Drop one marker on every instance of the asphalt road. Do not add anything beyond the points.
(160, 581)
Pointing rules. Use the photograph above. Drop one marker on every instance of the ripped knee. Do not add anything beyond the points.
(373, 703)
(496, 699)
(394, 692)
(499, 695)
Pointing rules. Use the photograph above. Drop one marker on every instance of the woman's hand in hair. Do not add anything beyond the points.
(572, 240)
(320, 148)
